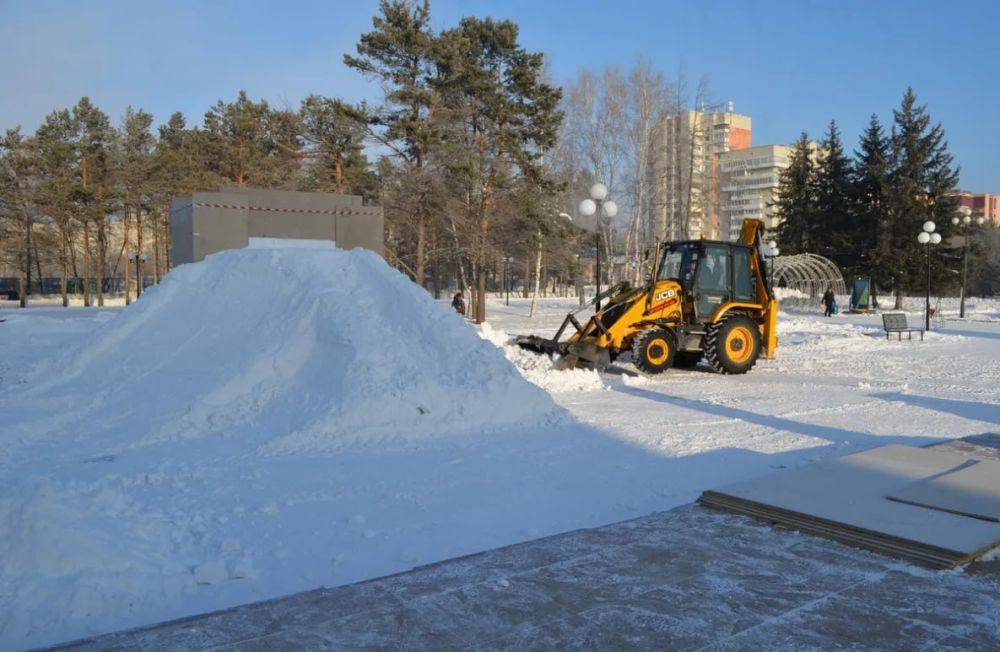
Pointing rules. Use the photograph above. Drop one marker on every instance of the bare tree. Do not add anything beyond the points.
(595, 107)
(647, 103)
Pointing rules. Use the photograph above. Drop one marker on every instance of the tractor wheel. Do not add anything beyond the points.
(653, 350)
(732, 345)
(687, 359)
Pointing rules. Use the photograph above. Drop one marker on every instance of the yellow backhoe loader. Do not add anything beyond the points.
(705, 299)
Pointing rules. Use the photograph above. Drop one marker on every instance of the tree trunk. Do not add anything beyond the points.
(166, 241)
(27, 255)
(527, 278)
(86, 263)
(156, 256)
(64, 259)
(86, 239)
(38, 267)
(538, 277)
(138, 251)
(473, 305)
(102, 255)
(125, 264)
(481, 298)
(421, 236)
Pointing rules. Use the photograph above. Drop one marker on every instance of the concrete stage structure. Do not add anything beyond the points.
(209, 222)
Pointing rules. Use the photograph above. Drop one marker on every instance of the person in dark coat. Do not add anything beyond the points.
(458, 303)
(829, 300)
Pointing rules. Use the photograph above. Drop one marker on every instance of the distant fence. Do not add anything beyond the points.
(10, 286)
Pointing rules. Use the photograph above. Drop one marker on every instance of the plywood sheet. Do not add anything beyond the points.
(848, 494)
(973, 490)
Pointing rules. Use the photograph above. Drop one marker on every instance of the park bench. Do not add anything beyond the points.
(895, 322)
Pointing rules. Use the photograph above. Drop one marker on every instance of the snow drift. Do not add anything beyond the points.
(292, 349)
(190, 453)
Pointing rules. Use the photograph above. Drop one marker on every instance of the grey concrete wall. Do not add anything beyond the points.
(218, 229)
(366, 231)
(181, 232)
(215, 221)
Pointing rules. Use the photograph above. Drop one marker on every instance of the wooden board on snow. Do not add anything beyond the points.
(846, 499)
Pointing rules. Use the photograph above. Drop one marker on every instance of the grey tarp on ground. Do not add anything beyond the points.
(845, 499)
(972, 490)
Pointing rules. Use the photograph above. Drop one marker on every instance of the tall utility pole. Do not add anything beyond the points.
(966, 222)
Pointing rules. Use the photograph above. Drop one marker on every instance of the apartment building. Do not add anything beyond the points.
(748, 185)
(684, 171)
(981, 203)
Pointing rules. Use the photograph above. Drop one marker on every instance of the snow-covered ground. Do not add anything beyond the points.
(190, 453)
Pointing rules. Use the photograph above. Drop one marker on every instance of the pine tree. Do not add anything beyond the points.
(54, 193)
(249, 143)
(504, 115)
(180, 166)
(796, 203)
(398, 54)
(95, 190)
(872, 200)
(333, 148)
(922, 179)
(16, 215)
(135, 173)
(834, 230)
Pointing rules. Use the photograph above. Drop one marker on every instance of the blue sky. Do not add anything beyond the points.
(792, 66)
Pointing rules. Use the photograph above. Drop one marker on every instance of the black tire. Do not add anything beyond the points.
(687, 359)
(653, 350)
(732, 346)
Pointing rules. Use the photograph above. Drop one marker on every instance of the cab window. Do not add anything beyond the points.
(713, 280)
(744, 287)
(679, 262)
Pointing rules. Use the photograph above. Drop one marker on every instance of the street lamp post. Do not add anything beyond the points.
(928, 237)
(772, 253)
(138, 259)
(965, 221)
(506, 277)
(598, 205)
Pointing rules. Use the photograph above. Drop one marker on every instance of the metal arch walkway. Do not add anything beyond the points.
(808, 273)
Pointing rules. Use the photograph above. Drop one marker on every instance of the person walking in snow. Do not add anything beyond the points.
(829, 300)
(458, 303)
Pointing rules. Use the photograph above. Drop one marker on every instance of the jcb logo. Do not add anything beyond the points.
(666, 294)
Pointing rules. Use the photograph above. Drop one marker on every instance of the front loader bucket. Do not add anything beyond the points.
(538, 344)
(583, 355)
(573, 354)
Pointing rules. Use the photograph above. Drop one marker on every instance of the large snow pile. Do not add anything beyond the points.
(290, 349)
(131, 470)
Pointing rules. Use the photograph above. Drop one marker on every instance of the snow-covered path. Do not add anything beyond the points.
(835, 386)
(205, 531)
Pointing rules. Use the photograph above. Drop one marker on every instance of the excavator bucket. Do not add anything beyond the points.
(572, 355)
(538, 344)
(583, 355)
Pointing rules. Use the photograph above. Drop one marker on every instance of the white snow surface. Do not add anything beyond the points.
(270, 421)
(540, 369)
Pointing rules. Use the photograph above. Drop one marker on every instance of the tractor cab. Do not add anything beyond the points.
(711, 273)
